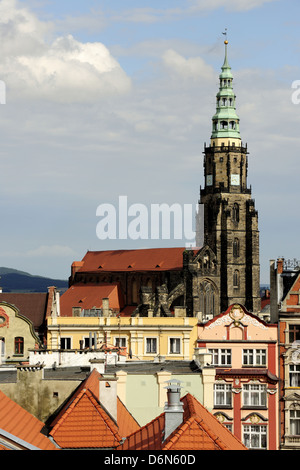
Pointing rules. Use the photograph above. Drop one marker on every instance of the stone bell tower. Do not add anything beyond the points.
(230, 219)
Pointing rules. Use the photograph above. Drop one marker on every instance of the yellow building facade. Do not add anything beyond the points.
(17, 335)
(139, 338)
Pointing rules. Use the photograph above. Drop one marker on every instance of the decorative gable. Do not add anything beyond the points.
(235, 324)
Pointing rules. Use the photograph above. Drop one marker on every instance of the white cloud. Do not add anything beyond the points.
(230, 5)
(64, 70)
(50, 251)
(192, 68)
(43, 251)
(149, 15)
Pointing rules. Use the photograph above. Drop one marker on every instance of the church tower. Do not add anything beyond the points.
(230, 219)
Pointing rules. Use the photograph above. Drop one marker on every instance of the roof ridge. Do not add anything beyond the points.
(119, 399)
(177, 433)
(104, 415)
(146, 425)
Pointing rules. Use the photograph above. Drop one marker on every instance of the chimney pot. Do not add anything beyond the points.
(173, 408)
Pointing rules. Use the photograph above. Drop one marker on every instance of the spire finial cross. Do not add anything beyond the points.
(225, 34)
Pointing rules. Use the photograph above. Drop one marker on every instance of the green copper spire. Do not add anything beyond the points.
(225, 122)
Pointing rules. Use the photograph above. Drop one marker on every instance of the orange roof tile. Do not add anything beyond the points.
(126, 422)
(83, 423)
(23, 425)
(152, 259)
(200, 430)
(88, 296)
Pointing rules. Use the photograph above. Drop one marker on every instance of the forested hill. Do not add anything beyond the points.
(12, 280)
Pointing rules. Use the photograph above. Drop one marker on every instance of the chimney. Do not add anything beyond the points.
(76, 265)
(173, 408)
(108, 394)
(280, 265)
(105, 307)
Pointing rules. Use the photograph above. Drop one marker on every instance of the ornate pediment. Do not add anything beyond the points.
(294, 397)
(236, 315)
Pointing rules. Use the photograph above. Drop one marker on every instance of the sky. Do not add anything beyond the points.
(109, 99)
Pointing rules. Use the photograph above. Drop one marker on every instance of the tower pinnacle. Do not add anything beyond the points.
(225, 122)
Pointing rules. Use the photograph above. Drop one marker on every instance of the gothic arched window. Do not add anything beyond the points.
(236, 248)
(235, 212)
(236, 278)
(207, 297)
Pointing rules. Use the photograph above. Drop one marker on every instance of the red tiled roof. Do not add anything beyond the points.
(83, 423)
(265, 302)
(152, 259)
(200, 430)
(292, 297)
(126, 422)
(23, 425)
(87, 296)
(31, 305)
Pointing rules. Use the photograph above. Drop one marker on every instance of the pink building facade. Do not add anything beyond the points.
(244, 353)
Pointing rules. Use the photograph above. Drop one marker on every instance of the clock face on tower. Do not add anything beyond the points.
(235, 180)
(209, 180)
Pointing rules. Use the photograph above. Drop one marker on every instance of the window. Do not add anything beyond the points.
(294, 333)
(235, 213)
(255, 395)
(65, 343)
(207, 298)
(228, 426)
(254, 357)
(2, 346)
(151, 345)
(89, 341)
(294, 374)
(236, 248)
(19, 345)
(222, 395)
(221, 357)
(255, 436)
(295, 422)
(174, 345)
(236, 278)
(120, 342)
